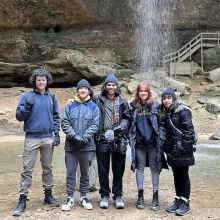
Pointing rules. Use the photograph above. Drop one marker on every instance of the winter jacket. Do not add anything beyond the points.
(158, 128)
(123, 112)
(80, 119)
(179, 147)
(41, 119)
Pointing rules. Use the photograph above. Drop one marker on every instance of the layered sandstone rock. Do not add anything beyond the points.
(84, 38)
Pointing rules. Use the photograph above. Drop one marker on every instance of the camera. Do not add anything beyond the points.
(122, 146)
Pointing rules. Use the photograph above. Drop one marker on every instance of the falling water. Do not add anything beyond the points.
(153, 32)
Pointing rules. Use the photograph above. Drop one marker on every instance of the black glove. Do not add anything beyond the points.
(80, 142)
(56, 140)
(86, 139)
(30, 100)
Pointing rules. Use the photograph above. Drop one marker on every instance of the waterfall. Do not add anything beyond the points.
(153, 32)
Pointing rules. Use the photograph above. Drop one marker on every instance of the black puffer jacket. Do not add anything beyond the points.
(179, 147)
(159, 131)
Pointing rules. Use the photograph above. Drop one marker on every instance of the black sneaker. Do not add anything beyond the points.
(184, 208)
(176, 204)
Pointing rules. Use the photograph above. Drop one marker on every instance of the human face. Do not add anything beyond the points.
(41, 83)
(83, 92)
(167, 101)
(111, 88)
(143, 94)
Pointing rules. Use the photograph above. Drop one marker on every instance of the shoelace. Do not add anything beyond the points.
(85, 199)
(67, 201)
(118, 199)
(105, 199)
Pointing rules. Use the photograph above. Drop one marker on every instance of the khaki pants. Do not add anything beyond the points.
(31, 147)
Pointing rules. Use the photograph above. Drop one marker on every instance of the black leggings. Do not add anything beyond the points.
(181, 181)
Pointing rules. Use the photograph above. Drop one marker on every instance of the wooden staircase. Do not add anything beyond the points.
(202, 40)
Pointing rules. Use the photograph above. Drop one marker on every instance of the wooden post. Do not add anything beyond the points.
(201, 54)
(190, 57)
(218, 38)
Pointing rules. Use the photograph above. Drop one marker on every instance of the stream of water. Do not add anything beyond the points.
(205, 175)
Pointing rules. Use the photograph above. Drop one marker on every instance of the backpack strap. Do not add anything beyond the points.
(174, 126)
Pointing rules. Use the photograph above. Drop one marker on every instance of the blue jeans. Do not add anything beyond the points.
(141, 156)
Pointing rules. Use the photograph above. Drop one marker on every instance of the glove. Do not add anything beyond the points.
(30, 100)
(80, 142)
(86, 139)
(124, 127)
(56, 140)
(123, 124)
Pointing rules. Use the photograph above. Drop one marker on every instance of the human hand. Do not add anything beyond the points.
(80, 142)
(56, 140)
(70, 101)
(30, 100)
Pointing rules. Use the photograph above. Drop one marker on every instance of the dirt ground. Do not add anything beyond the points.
(11, 131)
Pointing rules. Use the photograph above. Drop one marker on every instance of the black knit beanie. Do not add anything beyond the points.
(169, 91)
(83, 83)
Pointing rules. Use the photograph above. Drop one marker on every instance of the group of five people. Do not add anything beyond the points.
(105, 123)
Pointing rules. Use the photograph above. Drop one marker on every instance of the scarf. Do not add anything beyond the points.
(115, 120)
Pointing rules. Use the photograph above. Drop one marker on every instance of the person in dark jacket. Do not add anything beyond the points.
(146, 137)
(40, 112)
(111, 140)
(179, 148)
(80, 123)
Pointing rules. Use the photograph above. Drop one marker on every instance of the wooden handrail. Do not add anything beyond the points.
(189, 47)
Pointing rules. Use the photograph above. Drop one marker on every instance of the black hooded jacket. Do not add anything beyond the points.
(179, 147)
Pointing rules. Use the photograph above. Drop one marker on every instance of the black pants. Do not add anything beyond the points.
(118, 167)
(181, 181)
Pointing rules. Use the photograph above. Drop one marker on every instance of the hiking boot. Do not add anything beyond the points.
(68, 204)
(49, 199)
(119, 204)
(21, 206)
(85, 203)
(184, 207)
(104, 202)
(140, 201)
(175, 205)
(155, 201)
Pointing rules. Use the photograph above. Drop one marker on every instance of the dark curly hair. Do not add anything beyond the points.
(40, 72)
(104, 90)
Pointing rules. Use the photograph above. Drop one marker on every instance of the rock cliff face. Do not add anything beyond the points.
(84, 38)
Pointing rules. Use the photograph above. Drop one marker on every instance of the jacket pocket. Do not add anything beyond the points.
(88, 120)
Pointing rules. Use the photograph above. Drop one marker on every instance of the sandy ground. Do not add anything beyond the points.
(11, 132)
